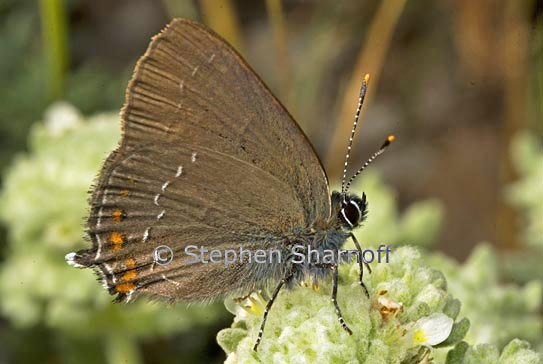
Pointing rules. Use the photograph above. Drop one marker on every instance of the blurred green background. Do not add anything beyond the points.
(459, 82)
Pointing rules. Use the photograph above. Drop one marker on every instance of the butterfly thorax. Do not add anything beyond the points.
(313, 251)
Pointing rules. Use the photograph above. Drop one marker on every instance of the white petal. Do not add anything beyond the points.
(433, 329)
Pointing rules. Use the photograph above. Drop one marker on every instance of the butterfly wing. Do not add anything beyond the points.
(209, 158)
(192, 85)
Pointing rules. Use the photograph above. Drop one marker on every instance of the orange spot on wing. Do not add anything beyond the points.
(117, 239)
(125, 193)
(117, 215)
(130, 263)
(130, 275)
(125, 287)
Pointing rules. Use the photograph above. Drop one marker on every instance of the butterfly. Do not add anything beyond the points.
(209, 157)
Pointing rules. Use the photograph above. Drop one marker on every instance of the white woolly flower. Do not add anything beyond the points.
(61, 116)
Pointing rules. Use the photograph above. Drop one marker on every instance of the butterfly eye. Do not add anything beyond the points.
(350, 214)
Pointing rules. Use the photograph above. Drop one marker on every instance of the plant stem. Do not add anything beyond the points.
(121, 348)
(54, 35)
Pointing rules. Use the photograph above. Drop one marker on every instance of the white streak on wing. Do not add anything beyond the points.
(161, 215)
(165, 185)
(193, 157)
(110, 271)
(157, 196)
(146, 234)
(179, 171)
(171, 280)
(195, 70)
(211, 58)
(98, 223)
(129, 296)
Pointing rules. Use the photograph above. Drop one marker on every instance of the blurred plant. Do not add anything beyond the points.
(31, 73)
(224, 20)
(43, 203)
(527, 194)
(55, 41)
(516, 352)
(498, 312)
(418, 225)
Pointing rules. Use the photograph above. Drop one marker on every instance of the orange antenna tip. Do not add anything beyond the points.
(387, 142)
(381, 150)
(367, 77)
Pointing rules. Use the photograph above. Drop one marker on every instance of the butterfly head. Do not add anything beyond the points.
(351, 210)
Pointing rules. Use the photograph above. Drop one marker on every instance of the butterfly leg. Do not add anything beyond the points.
(285, 279)
(361, 263)
(334, 300)
(334, 269)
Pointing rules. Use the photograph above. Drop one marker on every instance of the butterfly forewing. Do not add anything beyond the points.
(208, 158)
(192, 86)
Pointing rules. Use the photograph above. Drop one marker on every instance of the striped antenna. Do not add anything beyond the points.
(358, 108)
(385, 145)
